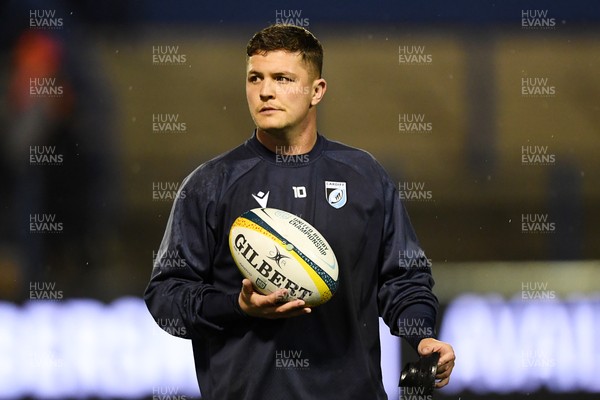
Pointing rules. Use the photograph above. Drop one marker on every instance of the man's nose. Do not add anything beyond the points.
(267, 90)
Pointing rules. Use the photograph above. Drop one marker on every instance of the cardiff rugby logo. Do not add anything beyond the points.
(335, 193)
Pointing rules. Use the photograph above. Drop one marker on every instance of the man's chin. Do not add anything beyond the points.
(273, 130)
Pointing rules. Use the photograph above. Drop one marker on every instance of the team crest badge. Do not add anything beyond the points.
(335, 193)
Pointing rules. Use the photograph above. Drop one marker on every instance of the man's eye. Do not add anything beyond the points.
(253, 79)
(284, 79)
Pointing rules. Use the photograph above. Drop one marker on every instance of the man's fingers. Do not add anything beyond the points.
(274, 305)
(279, 297)
(302, 311)
(295, 312)
(446, 356)
(274, 298)
(443, 372)
(446, 361)
(290, 306)
(442, 383)
(446, 351)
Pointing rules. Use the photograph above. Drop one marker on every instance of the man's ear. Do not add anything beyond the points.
(319, 87)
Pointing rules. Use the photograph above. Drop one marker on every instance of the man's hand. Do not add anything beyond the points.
(446, 362)
(271, 306)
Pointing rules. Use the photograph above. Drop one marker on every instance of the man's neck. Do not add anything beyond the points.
(288, 143)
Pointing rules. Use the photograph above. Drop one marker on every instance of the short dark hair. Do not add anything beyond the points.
(291, 38)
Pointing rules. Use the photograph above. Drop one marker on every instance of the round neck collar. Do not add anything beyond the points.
(284, 160)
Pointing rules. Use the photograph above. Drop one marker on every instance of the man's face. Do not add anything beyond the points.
(280, 89)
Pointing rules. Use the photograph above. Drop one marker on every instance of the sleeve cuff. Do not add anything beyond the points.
(416, 322)
(222, 309)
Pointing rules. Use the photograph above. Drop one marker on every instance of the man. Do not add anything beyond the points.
(243, 341)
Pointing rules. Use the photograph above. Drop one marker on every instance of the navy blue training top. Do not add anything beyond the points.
(333, 352)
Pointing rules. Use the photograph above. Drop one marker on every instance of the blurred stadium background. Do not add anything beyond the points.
(108, 106)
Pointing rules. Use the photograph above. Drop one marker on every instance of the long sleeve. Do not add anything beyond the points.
(180, 295)
(406, 301)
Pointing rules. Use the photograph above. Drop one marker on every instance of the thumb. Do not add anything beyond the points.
(427, 346)
(247, 288)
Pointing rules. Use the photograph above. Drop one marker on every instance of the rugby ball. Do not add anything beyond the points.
(276, 250)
